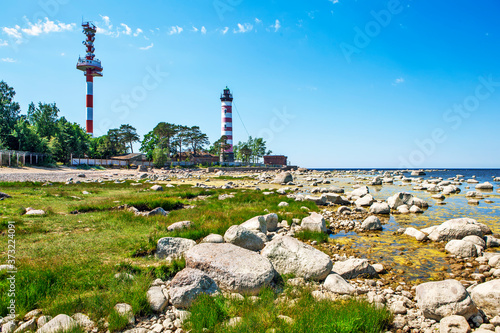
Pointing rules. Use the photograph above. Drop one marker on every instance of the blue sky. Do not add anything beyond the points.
(328, 83)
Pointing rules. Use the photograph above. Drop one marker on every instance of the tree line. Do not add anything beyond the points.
(42, 130)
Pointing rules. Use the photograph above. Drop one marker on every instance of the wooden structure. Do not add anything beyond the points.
(275, 160)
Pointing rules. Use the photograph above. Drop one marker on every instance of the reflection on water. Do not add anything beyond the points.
(417, 260)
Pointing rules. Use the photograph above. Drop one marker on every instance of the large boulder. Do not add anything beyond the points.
(290, 256)
(487, 297)
(257, 223)
(244, 238)
(458, 229)
(234, 268)
(157, 298)
(336, 284)
(314, 222)
(360, 191)
(173, 247)
(364, 201)
(188, 284)
(380, 208)
(371, 223)
(283, 177)
(271, 221)
(484, 186)
(352, 268)
(59, 323)
(444, 298)
(462, 248)
(399, 199)
(415, 233)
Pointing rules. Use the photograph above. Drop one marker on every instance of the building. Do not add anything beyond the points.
(130, 159)
(227, 124)
(275, 160)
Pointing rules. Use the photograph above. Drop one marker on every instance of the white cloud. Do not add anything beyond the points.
(398, 81)
(106, 21)
(127, 30)
(35, 29)
(242, 28)
(14, 32)
(3, 43)
(334, 1)
(8, 60)
(137, 32)
(258, 21)
(175, 30)
(276, 26)
(146, 47)
(225, 30)
(203, 30)
(195, 29)
(63, 54)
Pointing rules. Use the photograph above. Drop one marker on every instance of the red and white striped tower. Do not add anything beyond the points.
(92, 67)
(227, 124)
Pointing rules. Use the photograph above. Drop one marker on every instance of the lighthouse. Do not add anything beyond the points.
(227, 124)
(91, 67)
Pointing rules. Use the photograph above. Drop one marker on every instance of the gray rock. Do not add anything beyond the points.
(487, 297)
(283, 177)
(29, 325)
(371, 223)
(125, 310)
(417, 234)
(484, 186)
(336, 284)
(187, 285)
(173, 247)
(157, 299)
(291, 256)
(401, 198)
(271, 222)
(458, 229)
(492, 241)
(283, 204)
(154, 212)
(83, 321)
(380, 208)
(360, 191)
(213, 238)
(4, 195)
(454, 324)
(416, 210)
(31, 211)
(59, 323)
(462, 248)
(398, 307)
(352, 268)
(179, 225)
(444, 298)
(157, 188)
(314, 222)
(364, 201)
(234, 268)
(244, 238)
(475, 240)
(9, 327)
(42, 320)
(257, 223)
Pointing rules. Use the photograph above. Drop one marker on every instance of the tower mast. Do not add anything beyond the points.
(91, 67)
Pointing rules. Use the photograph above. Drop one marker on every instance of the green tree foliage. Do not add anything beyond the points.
(43, 118)
(164, 132)
(251, 151)
(196, 139)
(69, 139)
(219, 147)
(26, 138)
(128, 135)
(9, 113)
(148, 144)
(160, 157)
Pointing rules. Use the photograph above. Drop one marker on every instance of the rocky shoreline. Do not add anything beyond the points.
(466, 299)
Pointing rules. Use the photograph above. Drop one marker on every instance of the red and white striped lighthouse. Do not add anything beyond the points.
(227, 124)
(92, 67)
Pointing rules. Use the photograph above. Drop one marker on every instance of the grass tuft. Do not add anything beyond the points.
(317, 236)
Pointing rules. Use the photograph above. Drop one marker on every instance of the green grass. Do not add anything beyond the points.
(317, 236)
(67, 262)
(210, 314)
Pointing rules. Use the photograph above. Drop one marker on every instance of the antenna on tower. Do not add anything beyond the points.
(92, 67)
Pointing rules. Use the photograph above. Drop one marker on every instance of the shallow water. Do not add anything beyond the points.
(404, 254)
